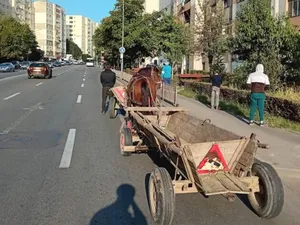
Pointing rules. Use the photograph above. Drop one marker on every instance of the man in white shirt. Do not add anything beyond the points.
(258, 82)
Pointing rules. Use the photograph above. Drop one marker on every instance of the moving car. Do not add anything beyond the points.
(7, 67)
(89, 62)
(39, 69)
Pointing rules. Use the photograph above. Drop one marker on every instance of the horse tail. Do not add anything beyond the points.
(145, 94)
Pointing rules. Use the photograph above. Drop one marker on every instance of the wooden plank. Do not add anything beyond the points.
(135, 148)
(221, 184)
(156, 109)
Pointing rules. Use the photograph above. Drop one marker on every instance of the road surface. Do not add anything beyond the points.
(60, 162)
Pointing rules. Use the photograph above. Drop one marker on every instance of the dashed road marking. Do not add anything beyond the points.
(39, 84)
(82, 85)
(68, 150)
(79, 97)
(11, 96)
(83, 79)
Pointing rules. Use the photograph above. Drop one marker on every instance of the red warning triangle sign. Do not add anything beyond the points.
(213, 161)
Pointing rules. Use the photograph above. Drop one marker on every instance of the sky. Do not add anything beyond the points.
(96, 10)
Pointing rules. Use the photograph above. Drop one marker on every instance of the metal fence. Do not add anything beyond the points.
(167, 93)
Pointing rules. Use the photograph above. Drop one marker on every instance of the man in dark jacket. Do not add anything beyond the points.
(108, 80)
(216, 82)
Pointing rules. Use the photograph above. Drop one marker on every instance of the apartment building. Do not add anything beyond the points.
(186, 11)
(5, 7)
(50, 28)
(23, 10)
(81, 29)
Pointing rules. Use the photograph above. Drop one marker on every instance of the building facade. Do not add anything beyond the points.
(23, 10)
(81, 30)
(50, 27)
(5, 7)
(186, 11)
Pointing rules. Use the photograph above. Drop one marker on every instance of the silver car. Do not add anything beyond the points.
(24, 65)
(7, 67)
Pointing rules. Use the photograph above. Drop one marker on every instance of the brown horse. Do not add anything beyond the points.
(142, 88)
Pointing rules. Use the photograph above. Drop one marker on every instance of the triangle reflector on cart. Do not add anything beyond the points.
(213, 161)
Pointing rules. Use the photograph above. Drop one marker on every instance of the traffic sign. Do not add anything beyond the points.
(122, 50)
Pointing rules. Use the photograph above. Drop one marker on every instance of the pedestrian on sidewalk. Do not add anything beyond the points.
(258, 82)
(216, 82)
(166, 73)
(108, 80)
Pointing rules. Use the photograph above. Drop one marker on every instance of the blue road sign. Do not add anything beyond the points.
(122, 50)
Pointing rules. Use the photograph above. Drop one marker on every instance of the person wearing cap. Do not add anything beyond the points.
(258, 82)
(166, 73)
(108, 80)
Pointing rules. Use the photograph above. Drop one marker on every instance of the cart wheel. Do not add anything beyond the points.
(125, 140)
(161, 197)
(112, 107)
(268, 202)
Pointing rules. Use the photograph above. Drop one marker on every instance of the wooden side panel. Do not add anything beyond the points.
(194, 130)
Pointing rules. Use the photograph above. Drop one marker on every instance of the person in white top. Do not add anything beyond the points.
(257, 83)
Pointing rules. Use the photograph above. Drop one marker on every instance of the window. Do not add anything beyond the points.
(294, 8)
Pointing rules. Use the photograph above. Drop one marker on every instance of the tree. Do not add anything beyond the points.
(263, 38)
(173, 38)
(73, 49)
(85, 56)
(16, 39)
(108, 35)
(210, 39)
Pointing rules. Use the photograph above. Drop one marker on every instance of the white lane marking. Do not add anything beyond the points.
(11, 96)
(13, 77)
(79, 97)
(82, 85)
(83, 79)
(21, 118)
(68, 151)
(84, 75)
(39, 84)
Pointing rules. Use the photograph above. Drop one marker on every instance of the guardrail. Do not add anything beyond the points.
(167, 93)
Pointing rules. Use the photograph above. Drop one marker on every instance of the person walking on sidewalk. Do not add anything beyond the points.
(258, 82)
(166, 73)
(108, 80)
(216, 82)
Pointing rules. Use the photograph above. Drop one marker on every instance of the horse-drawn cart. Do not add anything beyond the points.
(205, 158)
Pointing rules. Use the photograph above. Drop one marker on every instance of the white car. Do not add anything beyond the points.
(89, 64)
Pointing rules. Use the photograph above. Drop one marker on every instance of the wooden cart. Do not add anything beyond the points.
(206, 158)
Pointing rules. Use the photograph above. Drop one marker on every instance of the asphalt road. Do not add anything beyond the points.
(60, 162)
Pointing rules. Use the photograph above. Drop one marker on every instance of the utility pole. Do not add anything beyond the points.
(122, 55)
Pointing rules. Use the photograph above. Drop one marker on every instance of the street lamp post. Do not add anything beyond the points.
(123, 20)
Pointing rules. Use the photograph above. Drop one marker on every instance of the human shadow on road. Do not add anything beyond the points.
(119, 213)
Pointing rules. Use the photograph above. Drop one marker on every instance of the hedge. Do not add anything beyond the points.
(276, 106)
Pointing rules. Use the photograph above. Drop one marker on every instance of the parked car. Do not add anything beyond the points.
(39, 69)
(7, 67)
(50, 64)
(24, 65)
(16, 64)
(57, 64)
